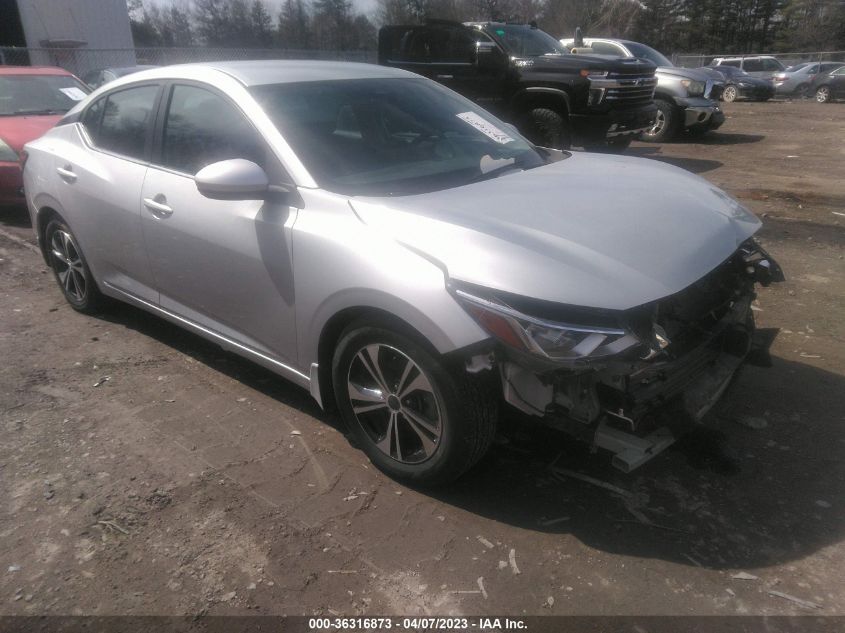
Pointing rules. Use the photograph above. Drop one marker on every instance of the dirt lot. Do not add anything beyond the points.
(193, 482)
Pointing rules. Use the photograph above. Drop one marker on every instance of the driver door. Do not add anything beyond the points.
(222, 264)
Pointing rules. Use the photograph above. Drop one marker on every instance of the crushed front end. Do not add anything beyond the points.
(626, 381)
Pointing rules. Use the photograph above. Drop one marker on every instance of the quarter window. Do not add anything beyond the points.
(203, 128)
(125, 122)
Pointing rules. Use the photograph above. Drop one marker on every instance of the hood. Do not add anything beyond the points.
(17, 131)
(591, 230)
(684, 73)
(569, 64)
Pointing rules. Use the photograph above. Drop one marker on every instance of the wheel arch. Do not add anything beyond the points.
(46, 209)
(541, 97)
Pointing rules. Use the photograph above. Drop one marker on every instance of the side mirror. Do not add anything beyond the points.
(235, 179)
(484, 54)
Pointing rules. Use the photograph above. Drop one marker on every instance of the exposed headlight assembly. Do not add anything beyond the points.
(7, 154)
(694, 88)
(547, 339)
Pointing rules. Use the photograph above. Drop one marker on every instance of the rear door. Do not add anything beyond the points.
(222, 264)
(102, 178)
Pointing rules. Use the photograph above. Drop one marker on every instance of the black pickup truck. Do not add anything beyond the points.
(526, 77)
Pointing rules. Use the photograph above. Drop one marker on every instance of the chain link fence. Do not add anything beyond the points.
(787, 59)
(81, 60)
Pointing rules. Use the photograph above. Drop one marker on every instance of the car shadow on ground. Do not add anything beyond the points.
(722, 138)
(16, 216)
(727, 496)
(695, 165)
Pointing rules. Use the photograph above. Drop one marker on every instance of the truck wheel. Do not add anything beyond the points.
(665, 123)
(730, 94)
(547, 128)
(415, 419)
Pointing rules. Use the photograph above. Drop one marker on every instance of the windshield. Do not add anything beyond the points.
(524, 41)
(382, 137)
(648, 53)
(39, 94)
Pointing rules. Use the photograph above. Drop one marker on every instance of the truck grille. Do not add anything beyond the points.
(630, 89)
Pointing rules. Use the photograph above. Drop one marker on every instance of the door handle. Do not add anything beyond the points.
(444, 76)
(66, 173)
(158, 208)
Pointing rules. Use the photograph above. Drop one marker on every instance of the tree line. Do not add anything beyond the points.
(672, 26)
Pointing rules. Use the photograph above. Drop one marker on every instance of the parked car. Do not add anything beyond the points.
(380, 240)
(32, 100)
(764, 66)
(525, 76)
(99, 76)
(686, 99)
(828, 86)
(795, 80)
(738, 84)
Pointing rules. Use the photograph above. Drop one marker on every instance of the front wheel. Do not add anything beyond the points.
(70, 269)
(415, 419)
(666, 122)
(547, 128)
(823, 94)
(730, 94)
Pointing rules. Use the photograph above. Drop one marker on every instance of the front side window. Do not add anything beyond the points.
(202, 127)
(39, 94)
(125, 121)
(392, 136)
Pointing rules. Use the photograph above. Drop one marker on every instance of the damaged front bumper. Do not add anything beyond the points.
(637, 403)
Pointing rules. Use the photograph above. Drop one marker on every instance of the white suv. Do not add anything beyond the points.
(763, 66)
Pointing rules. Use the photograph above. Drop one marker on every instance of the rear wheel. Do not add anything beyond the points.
(666, 122)
(547, 128)
(70, 270)
(416, 420)
(730, 94)
(823, 94)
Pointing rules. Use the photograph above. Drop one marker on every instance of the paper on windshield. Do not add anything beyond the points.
(485, 127)
(74, 93)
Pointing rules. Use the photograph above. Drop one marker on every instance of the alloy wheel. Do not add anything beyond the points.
(729, 94)
(395, 403)
(68, 265)
(659, 123)
(823, 94)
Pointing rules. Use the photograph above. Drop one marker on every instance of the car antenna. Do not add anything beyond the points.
(579, 39)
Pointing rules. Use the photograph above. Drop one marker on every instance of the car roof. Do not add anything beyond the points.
(34, 70)
(261, 72)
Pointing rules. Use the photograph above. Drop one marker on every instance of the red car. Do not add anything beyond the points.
(32, 100)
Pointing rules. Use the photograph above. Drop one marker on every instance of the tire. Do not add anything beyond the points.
(71, 270)
(431, 434)
(730, 94)
(547, 128)
(665, 125)
(823, 94)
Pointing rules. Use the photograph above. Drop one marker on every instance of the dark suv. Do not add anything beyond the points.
(525, 76)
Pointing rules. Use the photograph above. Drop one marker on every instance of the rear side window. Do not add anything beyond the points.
(731, 62)
(203, 128)
(772, 64)
(124, 122)
(752, 65)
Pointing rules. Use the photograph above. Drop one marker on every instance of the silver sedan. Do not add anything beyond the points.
(410, 259)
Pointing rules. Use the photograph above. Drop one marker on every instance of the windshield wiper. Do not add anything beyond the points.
(498, 171)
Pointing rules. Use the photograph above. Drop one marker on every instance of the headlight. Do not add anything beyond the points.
(7, 154)
(694, 88)
(551, 340)
(593, 73)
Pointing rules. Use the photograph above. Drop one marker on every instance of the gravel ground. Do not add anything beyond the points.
(194, 482)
